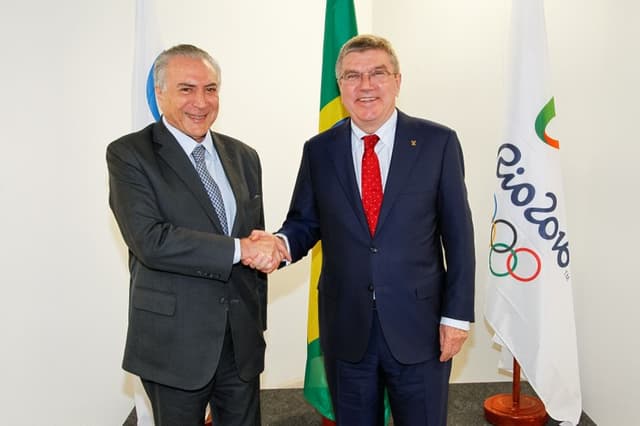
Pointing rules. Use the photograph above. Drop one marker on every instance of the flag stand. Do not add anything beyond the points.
(514, 409)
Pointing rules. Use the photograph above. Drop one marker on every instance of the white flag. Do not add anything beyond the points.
(148, 45)
(529, 301)
(144, 110)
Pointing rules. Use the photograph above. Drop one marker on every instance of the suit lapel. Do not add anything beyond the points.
(342, 157)
(171, 152)
(406, 150)
(239, 189)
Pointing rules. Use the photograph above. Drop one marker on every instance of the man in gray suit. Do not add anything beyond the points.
(183, 197)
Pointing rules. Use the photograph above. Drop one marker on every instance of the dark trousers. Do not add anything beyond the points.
(233, 401)
(417, 392)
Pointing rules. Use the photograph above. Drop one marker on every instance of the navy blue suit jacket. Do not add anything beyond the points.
(424, 223)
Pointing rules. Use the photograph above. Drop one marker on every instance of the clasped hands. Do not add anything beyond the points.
(263, 251)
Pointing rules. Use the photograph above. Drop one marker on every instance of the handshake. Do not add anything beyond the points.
(263, 251)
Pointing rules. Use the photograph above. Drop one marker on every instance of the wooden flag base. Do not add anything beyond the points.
(500, 411)
(514, 409)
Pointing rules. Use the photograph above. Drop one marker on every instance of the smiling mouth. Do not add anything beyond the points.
(196, 117)
(367, 99)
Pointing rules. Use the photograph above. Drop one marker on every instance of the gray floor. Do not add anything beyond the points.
(287, 407)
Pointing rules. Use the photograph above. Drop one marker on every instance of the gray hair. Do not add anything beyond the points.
(363, 42)
(188, 50)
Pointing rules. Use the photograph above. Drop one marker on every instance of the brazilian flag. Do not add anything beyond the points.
(339, 26)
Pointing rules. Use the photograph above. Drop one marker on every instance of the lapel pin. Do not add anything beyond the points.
(412, 142)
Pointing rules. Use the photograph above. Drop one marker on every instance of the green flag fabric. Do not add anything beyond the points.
(339, 26)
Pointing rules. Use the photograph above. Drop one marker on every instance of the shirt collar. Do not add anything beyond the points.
(187, 142)
(385, 132)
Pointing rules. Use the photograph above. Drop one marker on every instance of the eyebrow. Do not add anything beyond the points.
(378, 67)
(195, 85)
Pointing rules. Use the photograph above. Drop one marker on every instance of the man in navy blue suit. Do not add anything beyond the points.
(385, 193)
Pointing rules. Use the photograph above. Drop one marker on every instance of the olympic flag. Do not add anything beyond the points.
(529, 301)
(144, 110)
(147, 46)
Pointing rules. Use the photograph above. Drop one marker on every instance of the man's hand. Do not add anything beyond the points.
(451, 340)
(263, 251)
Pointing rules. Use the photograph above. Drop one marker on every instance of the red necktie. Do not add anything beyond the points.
(371, 182)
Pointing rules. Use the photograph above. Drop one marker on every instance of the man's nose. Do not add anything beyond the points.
(365, 80)
(199, 99)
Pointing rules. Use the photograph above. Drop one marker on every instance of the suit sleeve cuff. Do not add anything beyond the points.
(286, 243)
(237, 253)
(463, 325)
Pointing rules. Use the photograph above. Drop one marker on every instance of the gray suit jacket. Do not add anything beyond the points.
(184, 288)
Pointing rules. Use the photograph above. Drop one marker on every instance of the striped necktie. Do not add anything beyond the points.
(210, 186)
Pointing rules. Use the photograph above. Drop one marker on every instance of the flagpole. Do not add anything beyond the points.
(515, 388)
(514, 409)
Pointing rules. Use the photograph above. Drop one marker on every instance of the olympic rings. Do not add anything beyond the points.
(538, 261)
(493, 236)
(512, 255)
(512, 258)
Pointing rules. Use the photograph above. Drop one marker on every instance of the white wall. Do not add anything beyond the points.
(66, 79)
(453, 55)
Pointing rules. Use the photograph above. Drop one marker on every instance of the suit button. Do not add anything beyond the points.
(370, 288)
(373, 250)
(223, 300)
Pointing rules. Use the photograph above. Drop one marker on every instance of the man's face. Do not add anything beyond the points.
(370, 101)
(189, 100)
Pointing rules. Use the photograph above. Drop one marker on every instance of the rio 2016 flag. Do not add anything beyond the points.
(339, 26)
(529, 301)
